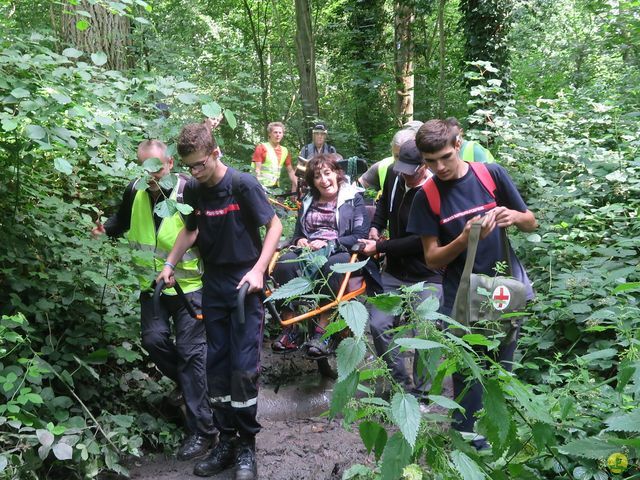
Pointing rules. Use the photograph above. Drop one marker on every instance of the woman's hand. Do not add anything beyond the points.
(302, 242)
(369, 248)
(317, 244)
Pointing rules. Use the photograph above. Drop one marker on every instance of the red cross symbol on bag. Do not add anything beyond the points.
(501, 297)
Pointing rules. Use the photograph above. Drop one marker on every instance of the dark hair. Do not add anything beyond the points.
(196, 137)
(435, 135)
(320, 161)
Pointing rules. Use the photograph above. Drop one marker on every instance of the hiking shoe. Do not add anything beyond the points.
(246, 467)
(316, 346)
(194, 446)
(288, 341)
(221, 457)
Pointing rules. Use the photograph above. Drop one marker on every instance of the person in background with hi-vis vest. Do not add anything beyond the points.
(269, 158)
(470, 151)
(375, 176)
(184, 361)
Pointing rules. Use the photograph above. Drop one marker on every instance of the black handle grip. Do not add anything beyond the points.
(157, 291)
(241, 297)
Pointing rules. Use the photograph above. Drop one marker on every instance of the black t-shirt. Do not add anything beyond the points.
(459, 200)
(228, 227)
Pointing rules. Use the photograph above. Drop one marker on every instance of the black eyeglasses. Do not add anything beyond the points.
(198, 166)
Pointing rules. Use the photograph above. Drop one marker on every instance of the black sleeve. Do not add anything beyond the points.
(190, 197)
(400, 247)
(120, 222)
(255, 200)
(382, 206)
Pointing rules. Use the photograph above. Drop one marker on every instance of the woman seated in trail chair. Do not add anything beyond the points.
(331, 220)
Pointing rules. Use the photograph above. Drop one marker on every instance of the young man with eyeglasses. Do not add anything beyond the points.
(229, 209)
(185, 360)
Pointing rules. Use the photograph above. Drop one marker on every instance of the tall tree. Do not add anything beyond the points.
(92, 28)
(305, 58)
(403, 19)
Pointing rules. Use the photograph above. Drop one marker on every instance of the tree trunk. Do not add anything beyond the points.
(404, 17)
(441, 81)
(108, 32)
(305, 58)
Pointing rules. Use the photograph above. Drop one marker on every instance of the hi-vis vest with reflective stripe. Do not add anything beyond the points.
(383, 168)
(270, 172)
(143, 236)
(474, 152)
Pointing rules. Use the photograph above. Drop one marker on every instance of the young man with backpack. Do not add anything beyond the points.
(459, 194)
(229, 209)
(185, 360)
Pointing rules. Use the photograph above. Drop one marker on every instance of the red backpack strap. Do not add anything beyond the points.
(433, 195)
(483, 174)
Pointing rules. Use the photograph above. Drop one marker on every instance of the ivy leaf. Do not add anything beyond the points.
(356, 316)
(350, 353)
(35, 132)
(629, 422)
(63, 166)
(396, 456)
(593, 448)
(62, 451)
(348, 267)
(211, 110)
(343, 391)
(231, 119)
(293, 288)
(184, 208)
(374, 437)
(72, 53)
(99, 58)
(497, 417)
(469, 470)
(20, 93)
(418, 343)
(82, 25)
(405, 412)
(387, 302)
(45, 437)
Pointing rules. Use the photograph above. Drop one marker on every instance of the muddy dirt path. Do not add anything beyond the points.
(296, 442)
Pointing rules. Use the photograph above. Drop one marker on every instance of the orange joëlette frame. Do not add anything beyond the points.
(341, 297)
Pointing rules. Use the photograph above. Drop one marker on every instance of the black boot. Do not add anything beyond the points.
(246, 467)
(221, 458)
(194, 446)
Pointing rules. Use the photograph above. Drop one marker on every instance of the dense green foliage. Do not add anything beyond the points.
(75, 390)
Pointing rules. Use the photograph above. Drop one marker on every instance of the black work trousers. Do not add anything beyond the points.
(184, 361)
(233, 357)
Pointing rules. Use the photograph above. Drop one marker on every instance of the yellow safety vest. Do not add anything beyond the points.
(143, 236)
(383, 168)
(474, 152)
(269, 175)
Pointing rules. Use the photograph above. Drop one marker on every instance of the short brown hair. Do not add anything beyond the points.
(435, 135)
(273, 125)
(196, 137)
(320, 161)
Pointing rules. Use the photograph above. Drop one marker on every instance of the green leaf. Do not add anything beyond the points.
(211, 110)
(169, 181)
(390, 303)
(418, 343)
(293, 288)
(153, 165)
(231, 119)
(82, 25)
(166, 208)
(99, 58)
(629, 422)
(9, 124)
(35, 132)
(354, 471)
(142, 20)
(497, 417)
(469, 470)
(445, 402)
(62, 451)
(348, 267)
(534, 238)
(72, 53)
(122, 420)
(356, 316)
(405, 412)
(428, 306)
(187, 98)
(343, 391)
(396, 456)
(63, 166)
(3, 463)
(142, 184)
(625, 287)
(350, 353)
(478, 339)
(184, 208)
(61, 98)
(593, 448)
(599, 355)
(20, 93)
(45, 437)
(374, 437)
(543, 435)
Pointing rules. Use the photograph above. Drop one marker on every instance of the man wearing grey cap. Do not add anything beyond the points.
(405, 263)
(318, 145)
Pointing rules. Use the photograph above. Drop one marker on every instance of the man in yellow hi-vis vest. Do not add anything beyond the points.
(185, 360)
(269, 158)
